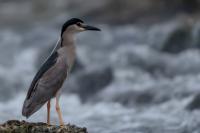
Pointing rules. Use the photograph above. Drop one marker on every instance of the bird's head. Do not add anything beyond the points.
(76, 25)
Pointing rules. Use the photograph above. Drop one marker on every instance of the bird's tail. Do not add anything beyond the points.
(30, 108)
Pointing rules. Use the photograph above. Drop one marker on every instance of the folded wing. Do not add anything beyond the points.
(45, 84)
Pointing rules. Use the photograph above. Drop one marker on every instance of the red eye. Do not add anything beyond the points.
(79, 24)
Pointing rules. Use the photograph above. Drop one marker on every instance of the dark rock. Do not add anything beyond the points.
(196, 34)
(174, 36)
(194, 104)
(179, 39)
(15, 126)
(134, 11)
(186, 5)
(127, 10)
(88, 82)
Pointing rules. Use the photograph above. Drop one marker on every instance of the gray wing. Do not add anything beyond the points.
(45, 67)
(45, 84)
(51, 60)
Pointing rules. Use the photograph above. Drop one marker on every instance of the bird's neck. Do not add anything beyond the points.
(68, 48)
(67, 39)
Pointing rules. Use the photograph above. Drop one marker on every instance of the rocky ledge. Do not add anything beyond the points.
(15, 126)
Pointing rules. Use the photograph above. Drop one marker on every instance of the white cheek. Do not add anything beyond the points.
(81, 29)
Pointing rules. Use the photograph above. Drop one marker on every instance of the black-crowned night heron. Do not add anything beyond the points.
(50, 77)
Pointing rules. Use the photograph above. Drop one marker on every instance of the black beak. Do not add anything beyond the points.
(87, 27)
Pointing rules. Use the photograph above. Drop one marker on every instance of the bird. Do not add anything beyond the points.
(49, 79)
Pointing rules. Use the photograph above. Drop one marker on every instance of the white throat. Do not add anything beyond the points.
(67, 38)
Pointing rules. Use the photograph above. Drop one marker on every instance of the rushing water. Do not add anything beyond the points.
(131, 80)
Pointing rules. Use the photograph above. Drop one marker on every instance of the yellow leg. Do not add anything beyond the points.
(59, 111)
(48, 112)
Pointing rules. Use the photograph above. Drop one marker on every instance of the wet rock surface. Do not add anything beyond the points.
(15, 126)
(194, 104)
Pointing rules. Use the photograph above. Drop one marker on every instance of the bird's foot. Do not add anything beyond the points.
(62, 125)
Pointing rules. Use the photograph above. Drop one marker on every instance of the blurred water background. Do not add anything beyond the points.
(141, 74)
